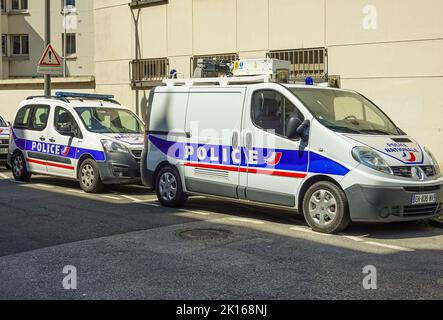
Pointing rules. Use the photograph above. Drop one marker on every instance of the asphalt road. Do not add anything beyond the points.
(125, 246)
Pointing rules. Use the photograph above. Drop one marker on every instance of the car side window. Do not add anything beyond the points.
(39, 118)
(64, 118)
(22, 119)
(271, 111)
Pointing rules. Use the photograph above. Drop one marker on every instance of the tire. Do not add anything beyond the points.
(169, 188)
(325, 208)
(89, 177)
(19, 168)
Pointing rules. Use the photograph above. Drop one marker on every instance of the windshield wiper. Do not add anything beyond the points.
(343, 129)
(376, 131)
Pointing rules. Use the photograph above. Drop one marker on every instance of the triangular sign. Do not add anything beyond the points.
(49, 58)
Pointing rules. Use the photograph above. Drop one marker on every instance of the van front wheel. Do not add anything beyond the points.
(89, 177)
(325, 208)
(169, 188)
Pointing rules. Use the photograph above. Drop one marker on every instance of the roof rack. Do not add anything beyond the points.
(222, 81)
(86, 96)
(48, 97)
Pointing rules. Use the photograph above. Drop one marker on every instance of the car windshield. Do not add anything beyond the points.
(3, 123)
(347, 112)
(109, 120)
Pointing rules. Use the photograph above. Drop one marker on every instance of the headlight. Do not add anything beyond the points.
(371, 159)
(112, 146)
(434, 160)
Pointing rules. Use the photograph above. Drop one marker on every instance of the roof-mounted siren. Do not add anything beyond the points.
(211, 68)
(276, 70)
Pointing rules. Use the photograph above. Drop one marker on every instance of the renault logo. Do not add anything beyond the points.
(417, 173)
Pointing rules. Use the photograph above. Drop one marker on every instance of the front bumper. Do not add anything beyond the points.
(120, 168)
(392, 204)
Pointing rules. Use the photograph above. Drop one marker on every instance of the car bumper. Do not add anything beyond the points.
(392, 204)
(120, 168)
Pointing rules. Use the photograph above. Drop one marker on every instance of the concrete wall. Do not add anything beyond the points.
(388, 50)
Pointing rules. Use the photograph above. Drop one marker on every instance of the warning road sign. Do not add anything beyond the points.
(50, 62)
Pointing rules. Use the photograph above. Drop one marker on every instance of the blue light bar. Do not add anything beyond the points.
(61, 94)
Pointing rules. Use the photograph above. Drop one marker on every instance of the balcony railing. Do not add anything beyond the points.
(148, 72)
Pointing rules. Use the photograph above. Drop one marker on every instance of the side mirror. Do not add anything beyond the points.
(303, 130)
(66, 129)
(292, 127)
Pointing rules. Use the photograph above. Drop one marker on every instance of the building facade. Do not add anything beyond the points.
(388, 50)
(22, 27)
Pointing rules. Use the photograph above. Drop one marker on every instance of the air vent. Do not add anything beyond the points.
(401, 140)
(208, 173)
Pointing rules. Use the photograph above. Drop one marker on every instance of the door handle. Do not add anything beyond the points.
(235, 139)
(249, 140)
(52, 140)
(42, 138)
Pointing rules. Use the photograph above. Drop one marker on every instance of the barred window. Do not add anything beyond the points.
(304, 62)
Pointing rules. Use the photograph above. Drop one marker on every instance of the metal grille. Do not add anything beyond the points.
(144, 71)
(406, 172)
(4, 143)
(304, 62)
(422, 210)
(231, 57)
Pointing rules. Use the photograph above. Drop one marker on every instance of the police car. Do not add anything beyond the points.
(4, 140)
(87, 137)
(331, 154)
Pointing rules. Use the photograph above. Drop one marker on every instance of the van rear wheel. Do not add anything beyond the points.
(169, 188)
(325, 208)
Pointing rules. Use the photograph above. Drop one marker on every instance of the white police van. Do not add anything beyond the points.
(328, 153)
(4, 140)
(87, 137)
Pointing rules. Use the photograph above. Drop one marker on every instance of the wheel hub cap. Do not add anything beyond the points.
(168, 186)
(323, 207)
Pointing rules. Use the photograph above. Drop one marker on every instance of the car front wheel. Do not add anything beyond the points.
(19, 168)
(325, 208)
(89, 177)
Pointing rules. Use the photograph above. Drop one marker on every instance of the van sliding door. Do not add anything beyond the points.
(213, 155)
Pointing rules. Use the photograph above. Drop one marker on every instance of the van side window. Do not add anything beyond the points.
(271, 111)
(22, 118)
(39, 118)
(63, 118)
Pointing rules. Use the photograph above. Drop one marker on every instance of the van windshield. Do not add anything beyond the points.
(109, 120)
(3, 123)
(344, 111)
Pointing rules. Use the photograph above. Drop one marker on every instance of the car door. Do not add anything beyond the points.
(276, 165)
(63, 137)
(31, 126)
(213, 155)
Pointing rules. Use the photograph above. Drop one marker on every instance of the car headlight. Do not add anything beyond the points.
(434, 160)
(112, 146)
(371, 159)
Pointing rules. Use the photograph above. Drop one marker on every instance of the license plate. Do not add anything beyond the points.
(424, 198)
(3, 150)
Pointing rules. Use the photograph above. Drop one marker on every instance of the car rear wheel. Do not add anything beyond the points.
(169, 188)
(19, 168)
(325, 208)
(89, 177)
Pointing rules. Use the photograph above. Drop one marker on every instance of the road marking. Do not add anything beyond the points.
(201, 213)
(44, 186)
(133, 199)
(253, 221)
(19, 182)
(75, 191)
(353, 238)
(307, 230)
(111, 197)
(149, 204)
(389, 246)
(4, 176)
